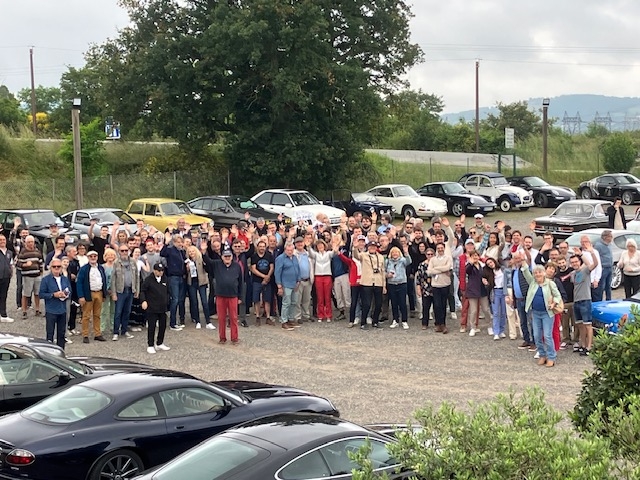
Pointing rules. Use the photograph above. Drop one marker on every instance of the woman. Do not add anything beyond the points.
(543, 295)
(136, 318)
(82, 255)
(494, 248)
(197, 283)
(423, 287)
(550, 270)
(477, 292)
(629, 264)
(373, 282)
(498, 304)
(323, 280)
(396, 274)
(121, 239)
(108, 304)
(440, 266)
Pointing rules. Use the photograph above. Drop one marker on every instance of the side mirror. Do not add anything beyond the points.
(158, 214)
(288, 205)
(63, 377)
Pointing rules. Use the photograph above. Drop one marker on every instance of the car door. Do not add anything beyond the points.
(485, 187)
(136, 210)
(223, 213)
(196, 413)
(471, 184)
(264, 200)
(385, 195)
(606, 186)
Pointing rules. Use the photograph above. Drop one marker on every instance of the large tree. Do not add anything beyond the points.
(10, 113)
(295, 85)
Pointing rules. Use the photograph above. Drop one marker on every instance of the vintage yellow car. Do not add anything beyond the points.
(160, 212)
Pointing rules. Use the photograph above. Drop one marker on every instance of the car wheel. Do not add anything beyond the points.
(541, 200)
(457, 209)
(408, 211)
(627, 198)
(616, 277)
(505, 204)
(585, 194)
(117, 464)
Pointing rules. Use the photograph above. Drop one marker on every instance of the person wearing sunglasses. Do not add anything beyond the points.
(55, 290)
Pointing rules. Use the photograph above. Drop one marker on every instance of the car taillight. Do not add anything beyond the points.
(20, 457)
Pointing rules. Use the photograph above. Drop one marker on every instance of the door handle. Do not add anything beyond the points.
(18, 394)
(179, 427)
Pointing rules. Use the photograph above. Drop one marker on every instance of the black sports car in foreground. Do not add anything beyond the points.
(610, 186)
(116, 426)
(286, 447)
(364, 203)
(29, 373)
(544, 195)
(573, 216)
(459, 199)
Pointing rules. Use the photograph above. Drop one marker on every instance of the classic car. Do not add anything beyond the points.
(116, 426)
(544, 195)
(634, 225)
(611, 315)
(160, 212)
(81, 219)
(406, 201)
(299, 205)
(610, 186)
(573, 216)
(35, 342)
(38, 222)
(494, 187)
(291, 446)
(459, 199)
(358, 202)
(228, 210)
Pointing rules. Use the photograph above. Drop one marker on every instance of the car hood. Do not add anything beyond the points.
(259, 212)
(549, 188)
(565, 220)
(110, 364)
(521, 192)
(259, 390)
(193, 220)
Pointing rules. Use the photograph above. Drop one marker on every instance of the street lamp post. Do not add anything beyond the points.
(77, 156)
(545, 112)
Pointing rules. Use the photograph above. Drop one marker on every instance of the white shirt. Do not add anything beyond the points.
(95, 279)
(596, 273)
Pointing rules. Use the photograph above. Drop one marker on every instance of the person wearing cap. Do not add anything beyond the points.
(92, 289)
(49, 242)
(373, 282)
(154, 298)
(303, 298)
(287, 274)
(56, 252)
(125, 285)
(229, 279)
(55, 290)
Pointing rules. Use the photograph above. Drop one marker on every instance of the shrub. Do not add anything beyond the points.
(618, 152)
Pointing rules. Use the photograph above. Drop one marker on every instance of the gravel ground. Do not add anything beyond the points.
(371, 376)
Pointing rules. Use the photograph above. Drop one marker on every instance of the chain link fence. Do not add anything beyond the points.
(110, 190)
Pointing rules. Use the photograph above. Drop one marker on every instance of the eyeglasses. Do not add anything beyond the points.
(429, 254)
(457, 225)
(472, 232)
(125, 250)
(55, 266)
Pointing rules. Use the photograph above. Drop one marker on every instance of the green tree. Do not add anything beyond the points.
(10, 113)
(92, 149)
(514, 115)
(595, 130)
(47, 99)
(618, 153)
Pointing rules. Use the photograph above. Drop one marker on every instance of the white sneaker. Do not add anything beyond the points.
(472, 332)
(6, 320)
(405, 325)
(496, 337)
(463, 330)
(128, 335)
(176, 328)
(67, 340)
(136, 329)
(454, 316)
(210, 326)
(214, 316)
(198, 326)
(502, 335)
(356, 320)
(151, 350)
(369, 320)
(163, 347)
(490, 331)
(114, 338)
(394, 324)
(536, 356)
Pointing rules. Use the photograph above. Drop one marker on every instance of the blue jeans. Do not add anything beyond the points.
(604, 285)
(56, 322)
(398, 296)
(196, 289)
(287, 313)
(543, 326)
(123, 310)
(524, 321)
(177, 292)
(499, 309)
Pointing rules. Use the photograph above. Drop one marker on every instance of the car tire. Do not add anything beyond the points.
(457, 209)
(541, 200)
(125, 463)
(616, 277)
(408, 211)
(627, 198)
(586, 194)
(504, 204)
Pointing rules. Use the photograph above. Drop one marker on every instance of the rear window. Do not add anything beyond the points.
(69, 406)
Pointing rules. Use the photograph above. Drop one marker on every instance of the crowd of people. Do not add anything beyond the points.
(366, 271)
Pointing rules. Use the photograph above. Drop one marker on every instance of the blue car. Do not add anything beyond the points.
(613, 314)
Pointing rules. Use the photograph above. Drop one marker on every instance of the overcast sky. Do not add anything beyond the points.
(526, 49)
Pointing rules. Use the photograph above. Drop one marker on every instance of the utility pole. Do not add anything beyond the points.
(545, 114)
(33, 94)
(77, 155)
(477, 106)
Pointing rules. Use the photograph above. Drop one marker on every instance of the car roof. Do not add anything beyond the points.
(488, 174)
(97, 210)
(438, 183)
(585, 201)
(284, 190)
(390, 185)
(156, 199)
(291, 430)
(27, 210)
(138, 382)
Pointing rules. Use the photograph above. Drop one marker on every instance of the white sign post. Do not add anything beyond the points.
(509, 138)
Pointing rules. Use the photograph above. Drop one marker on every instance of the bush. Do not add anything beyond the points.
(618, 153)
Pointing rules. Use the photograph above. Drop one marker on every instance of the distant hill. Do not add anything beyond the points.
(624, 111)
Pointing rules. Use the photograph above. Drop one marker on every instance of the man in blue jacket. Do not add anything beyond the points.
(287, 275)
(173, 252)
(55, 290)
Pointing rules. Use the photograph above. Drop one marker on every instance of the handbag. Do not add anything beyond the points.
(558, 308)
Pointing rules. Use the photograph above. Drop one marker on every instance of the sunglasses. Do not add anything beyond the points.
(429, 254)
(55, 266)
(124, 251)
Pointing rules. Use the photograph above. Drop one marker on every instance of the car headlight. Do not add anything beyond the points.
(555, 192)
(422, 205)
(530, 192)
(471, 201)
(493, 199)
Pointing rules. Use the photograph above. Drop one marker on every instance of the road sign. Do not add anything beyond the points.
(509, 138)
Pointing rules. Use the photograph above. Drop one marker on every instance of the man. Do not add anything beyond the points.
(581, 278)
(287, 275)
(56, 252)
(229, 279)
(590, 253)
(30, 263)
(173, 252)
(99, 244)
(72, 272)
(567, 321)
(154, 298)
(543, 255)
(49, 242)
(182, 229)
(238, 248)
(303, 309)
(520, 288)
(563, 248)
(469, 248)
(615, 212)
(151, 257)
(603, 247)
(125, 286)
(55, 290)
(6, 272)
(21, 234)
(92, 289)
(262, 266)
(439, 270)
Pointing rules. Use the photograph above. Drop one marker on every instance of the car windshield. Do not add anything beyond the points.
(573, 210)
(404, 191)
(175, 208)
(453, 188)
(241, 203)
(41, 219)
(303, 198)
(65, 363)
(499, 181)
(211, 460)
(535, 182)
(69, 406)
(627, 179)
(364, 197)
(112, 216)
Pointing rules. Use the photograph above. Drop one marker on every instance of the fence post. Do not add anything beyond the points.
(111, 185)
(175, 185)
(228, 181)
(499, 163)
(467, 164)
(53, 189)
(514, 164)
(430, 171)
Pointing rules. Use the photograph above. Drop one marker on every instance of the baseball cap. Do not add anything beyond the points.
(361, 237)
(92, 252)
(299, 239)
(159, 267)
(478, 215)
(227, 252)
(469, 240)
(51, 225)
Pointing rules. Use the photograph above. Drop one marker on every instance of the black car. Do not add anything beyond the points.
(30, 372)
(610, 186)
(37, 221)
(574, 216)
(364, 203)
(459, 199)
(228, 210)
(41, 344)
(116, 426)
(286, 447)
(544, 195)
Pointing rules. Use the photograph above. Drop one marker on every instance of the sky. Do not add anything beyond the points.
(525, 49)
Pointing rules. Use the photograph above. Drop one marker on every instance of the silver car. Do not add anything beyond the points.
(81, 219)
(618, 245)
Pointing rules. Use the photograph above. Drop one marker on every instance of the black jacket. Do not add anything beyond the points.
(5, 264)
(155, 294)
(229, 279)
(611, 213)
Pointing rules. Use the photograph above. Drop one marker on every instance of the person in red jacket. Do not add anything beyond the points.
(354, 282)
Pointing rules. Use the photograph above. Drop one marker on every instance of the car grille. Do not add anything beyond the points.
(526, 199)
